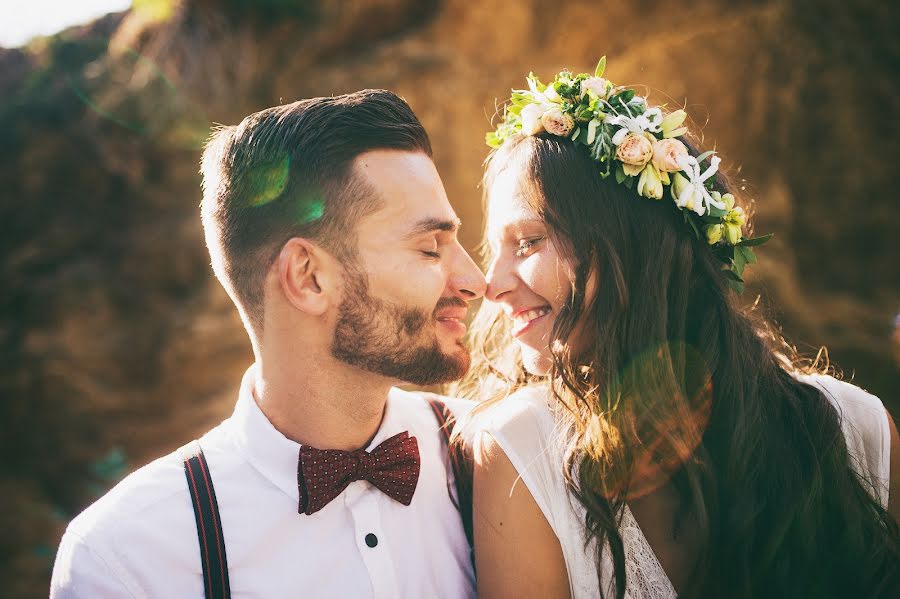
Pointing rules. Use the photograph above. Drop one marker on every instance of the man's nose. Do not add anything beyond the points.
(467, 279)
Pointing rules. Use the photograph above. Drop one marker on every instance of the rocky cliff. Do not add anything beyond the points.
(118, 345)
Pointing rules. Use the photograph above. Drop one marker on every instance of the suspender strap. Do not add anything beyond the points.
(461, 467)
(209, 524)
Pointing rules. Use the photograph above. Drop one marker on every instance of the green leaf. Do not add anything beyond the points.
(693, 225)
(739, 262)
(637, 106)
(626, 96)
(583, 113)
(521, 99)
(620, 174)
(731, 275)
(717, 212)
(738, 286)
(601, 67)
(757, 240)
(492, 140)
(748, 254)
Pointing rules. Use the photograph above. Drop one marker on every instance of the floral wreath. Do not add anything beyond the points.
(639, 145)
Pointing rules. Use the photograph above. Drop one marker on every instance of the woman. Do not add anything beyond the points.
(649, 414)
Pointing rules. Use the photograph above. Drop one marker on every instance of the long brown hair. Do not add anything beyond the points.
(680, 374)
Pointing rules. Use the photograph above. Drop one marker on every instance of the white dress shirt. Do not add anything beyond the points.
(140, 539)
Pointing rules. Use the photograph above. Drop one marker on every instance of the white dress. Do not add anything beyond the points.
(524, 427)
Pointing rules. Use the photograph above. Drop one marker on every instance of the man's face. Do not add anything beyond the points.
(407, 295)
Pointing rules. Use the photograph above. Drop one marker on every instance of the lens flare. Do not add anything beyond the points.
(267, 182)
(124, 87)
(656, 411)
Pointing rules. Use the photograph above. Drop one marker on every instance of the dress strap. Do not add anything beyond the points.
(461, 467)
(209, 524)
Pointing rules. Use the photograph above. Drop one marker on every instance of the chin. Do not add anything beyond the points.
(535, 362)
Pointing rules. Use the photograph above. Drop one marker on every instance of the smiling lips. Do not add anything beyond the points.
(452, 318)
(522, 319)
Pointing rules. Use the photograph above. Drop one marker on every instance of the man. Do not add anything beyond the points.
(329, 227)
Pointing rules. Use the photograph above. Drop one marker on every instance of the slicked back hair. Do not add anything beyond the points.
(287, 172)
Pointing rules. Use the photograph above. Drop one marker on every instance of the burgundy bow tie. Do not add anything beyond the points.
(392, 467)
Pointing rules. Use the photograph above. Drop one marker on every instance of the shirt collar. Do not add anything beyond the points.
(270, 452)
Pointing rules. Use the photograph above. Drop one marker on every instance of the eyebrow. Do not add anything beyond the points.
(513, 226)
(523, 222)
(434, 224)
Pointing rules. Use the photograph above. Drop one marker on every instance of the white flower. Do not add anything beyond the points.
(550, 93)
(688, 189)
(650, 121)
(598, 85)
(531, 119)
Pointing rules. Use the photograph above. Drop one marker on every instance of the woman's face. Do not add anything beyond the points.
(527, 276)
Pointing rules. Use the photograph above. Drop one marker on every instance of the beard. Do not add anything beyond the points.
(393, 340)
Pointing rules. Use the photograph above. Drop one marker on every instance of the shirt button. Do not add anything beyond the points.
(371, 540)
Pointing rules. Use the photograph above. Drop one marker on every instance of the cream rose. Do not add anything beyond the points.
(635, 150)
(558, 123)
(666, 153)
(598, 85)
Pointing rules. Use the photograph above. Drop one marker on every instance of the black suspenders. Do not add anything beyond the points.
(461, 467)
(209, 524)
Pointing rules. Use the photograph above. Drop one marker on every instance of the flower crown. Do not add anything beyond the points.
(638, 145)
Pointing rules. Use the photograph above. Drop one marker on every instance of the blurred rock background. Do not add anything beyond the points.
(118, 345)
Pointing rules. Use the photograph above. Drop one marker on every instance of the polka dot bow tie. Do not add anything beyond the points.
(392, 467)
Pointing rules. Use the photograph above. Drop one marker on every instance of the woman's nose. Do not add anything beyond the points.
(500, 279)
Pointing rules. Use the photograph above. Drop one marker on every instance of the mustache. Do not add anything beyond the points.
(448, 302)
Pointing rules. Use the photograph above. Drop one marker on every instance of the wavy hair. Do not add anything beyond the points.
(681, 384)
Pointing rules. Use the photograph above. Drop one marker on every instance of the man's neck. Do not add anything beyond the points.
(322, 403)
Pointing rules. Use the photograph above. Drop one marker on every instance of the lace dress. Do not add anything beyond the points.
(524, 427)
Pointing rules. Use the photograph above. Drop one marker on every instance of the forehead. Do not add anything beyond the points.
(408, 184)
(506, 205)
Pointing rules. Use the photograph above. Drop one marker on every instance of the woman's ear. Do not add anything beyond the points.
(304, 276)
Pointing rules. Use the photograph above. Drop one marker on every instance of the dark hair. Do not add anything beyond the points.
(761, 464)
(287, 172)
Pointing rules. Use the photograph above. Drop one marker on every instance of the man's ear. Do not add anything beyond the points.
(305, 277)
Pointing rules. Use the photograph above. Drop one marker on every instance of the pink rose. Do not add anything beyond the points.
(666, 153)
(558, 123)
(635, 150)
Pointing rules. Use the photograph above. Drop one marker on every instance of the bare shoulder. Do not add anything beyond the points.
(870, 430)
(516, 551)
